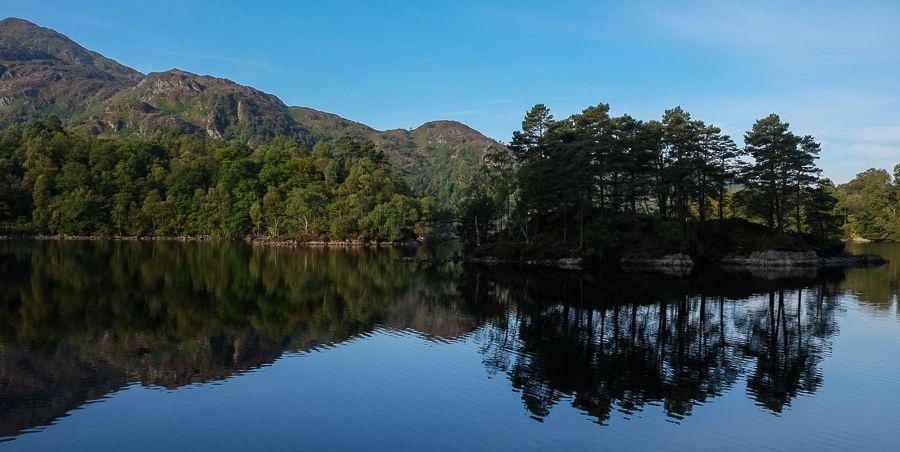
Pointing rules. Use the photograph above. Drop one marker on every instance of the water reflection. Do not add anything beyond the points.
(636, 340)
(79, 320)
(876, 288)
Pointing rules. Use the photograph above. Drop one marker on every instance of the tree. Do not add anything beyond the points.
(530, 151)
(802, 172)
(256, 217)
(820, 208)
(477, 211)
(272, 211)
(305, 210)
(681, 145)
(715, 163)
(773, 149)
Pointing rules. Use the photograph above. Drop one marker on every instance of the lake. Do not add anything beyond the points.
(223, 346)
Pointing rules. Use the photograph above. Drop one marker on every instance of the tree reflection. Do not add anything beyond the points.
(630, 341)
(81, 319)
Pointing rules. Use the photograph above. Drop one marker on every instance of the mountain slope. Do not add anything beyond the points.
(434, 157)
(43, 72)
(192, 103)
(326, 126)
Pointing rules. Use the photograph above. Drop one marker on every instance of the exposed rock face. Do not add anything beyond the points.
(573, 263)
(43, 72)
(773, 258)
(191, 103)
(670, 261)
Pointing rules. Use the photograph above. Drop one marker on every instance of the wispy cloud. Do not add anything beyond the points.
(796, 33)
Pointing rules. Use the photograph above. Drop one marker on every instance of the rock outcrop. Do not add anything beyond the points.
(773, 258)
(677, 262)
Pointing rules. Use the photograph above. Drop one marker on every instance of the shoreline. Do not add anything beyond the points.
(255, 241)
(678, 263)
(684, 263)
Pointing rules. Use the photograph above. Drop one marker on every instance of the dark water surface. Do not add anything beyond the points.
(221, 346)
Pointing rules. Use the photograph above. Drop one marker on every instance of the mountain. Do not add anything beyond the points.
(193, 103)
(434, 157)
(44, 73)
(327, 126)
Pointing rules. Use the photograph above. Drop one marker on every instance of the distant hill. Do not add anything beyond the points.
(435, 157)
(44, 73)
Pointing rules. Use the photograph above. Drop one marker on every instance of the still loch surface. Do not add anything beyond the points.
(221, 346)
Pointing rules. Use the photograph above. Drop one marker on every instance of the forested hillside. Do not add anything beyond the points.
(69, 182)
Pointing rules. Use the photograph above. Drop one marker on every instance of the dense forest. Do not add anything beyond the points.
(587, 185)
(63, 182)
(594, 183)
(870, 203)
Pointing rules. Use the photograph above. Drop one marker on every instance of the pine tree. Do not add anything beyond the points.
(771, 146)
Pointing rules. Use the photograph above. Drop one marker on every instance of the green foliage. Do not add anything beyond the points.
(783, 168)
(70, 183)
(871, 204)
(593, 183)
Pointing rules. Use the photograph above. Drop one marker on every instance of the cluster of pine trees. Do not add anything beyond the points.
(588, 180)
(62, 182)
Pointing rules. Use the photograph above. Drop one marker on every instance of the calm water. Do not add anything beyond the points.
(174, 346)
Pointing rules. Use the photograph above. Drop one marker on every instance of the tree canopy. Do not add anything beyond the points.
(593, 180)
(63, 182)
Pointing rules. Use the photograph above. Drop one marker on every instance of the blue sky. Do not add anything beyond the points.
(830, 68)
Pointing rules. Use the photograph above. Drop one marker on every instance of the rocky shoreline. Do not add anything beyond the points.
(678, 263)
(118, 238)
(683, 263)
(570, 263)
(770, 259)
(292, 243)
(255, 241)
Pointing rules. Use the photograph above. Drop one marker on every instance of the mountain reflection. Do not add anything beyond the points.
(79, 320)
